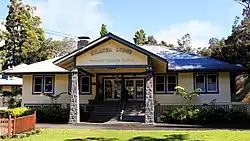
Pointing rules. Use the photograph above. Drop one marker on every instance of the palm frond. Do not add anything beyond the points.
(59, 95)
(48, 95)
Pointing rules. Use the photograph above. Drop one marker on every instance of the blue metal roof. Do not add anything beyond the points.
(184, 61)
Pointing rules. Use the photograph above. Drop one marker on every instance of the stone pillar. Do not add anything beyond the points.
(74, 115)
(149, 102)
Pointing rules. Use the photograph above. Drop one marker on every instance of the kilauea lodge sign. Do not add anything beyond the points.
(109, 58)
(105, 50)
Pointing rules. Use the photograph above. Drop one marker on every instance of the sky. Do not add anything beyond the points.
(166, 20)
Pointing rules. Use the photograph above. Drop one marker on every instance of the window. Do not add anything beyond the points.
(32, 106)
(48, 84)
(200, 82)
(165, 83)
(43, 84)
(38, 84)
(41, 105)
(160, 83)
(171, 83)
(211, 83)
(85, 84)
(207, 82)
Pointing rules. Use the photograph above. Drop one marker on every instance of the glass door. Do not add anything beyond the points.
(112, 89)
(135, 87)
(117, 88)
(108, 89)
(139, 85)
(129, 85)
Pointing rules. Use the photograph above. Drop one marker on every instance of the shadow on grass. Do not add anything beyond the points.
(173, 137)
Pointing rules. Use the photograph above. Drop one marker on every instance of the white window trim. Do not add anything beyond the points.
(203, 84)
(81, 85)
(164, 91)
(216, 76)
(176, 81)
(51, 84)
(34, 84)
(33, 106)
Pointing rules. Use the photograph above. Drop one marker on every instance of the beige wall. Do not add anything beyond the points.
(186, 80)
(115, 55)
(61, 85)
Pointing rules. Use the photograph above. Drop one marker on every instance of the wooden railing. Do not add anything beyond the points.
(12, 126)
(5, 126)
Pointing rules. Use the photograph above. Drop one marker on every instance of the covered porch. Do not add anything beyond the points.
(113, 64)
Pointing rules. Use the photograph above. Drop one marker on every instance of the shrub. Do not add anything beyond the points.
(51, 115)
(203, 116)
(43, 114)
(18, 112)
(21, 111)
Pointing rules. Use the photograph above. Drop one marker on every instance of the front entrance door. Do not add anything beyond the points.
(112, 89)
(135, 87)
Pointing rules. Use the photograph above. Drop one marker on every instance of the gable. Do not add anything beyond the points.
(111, 52)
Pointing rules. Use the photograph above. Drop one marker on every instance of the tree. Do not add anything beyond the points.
(54, 97)
(56, 48)
(140, 37)
(104, 30)
(151, 40)
(23, 37)
(236, 47)
(184, 44)
(187, 95)
(203, 52)
(165, 44)
(214, 49)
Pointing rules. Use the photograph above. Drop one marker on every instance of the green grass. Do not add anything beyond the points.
(134, 135)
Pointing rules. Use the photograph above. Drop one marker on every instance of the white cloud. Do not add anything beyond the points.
(74, 17)
(200, 32)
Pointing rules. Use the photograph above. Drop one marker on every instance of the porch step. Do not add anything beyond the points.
(103, 111)
(102, 116)
(133, 118)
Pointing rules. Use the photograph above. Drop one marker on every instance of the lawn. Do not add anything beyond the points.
(134, 135)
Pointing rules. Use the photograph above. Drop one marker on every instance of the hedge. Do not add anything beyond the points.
(204, 116)
(43, 114)
(18, 112)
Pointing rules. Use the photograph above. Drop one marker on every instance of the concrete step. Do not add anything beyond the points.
(133, 118)
(102, 116)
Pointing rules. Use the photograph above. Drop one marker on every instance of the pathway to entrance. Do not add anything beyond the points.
(130, 126)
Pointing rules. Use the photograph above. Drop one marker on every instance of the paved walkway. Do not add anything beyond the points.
(125, 126)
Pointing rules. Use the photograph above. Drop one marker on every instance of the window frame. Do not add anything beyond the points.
(217, 87)
(160, 92)
(32, 105)
(205, 88)
(89, 85)
(51, 84)
(165, 83)
(206, 83)
(43, 84)
(34, 84)
(176, 82)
